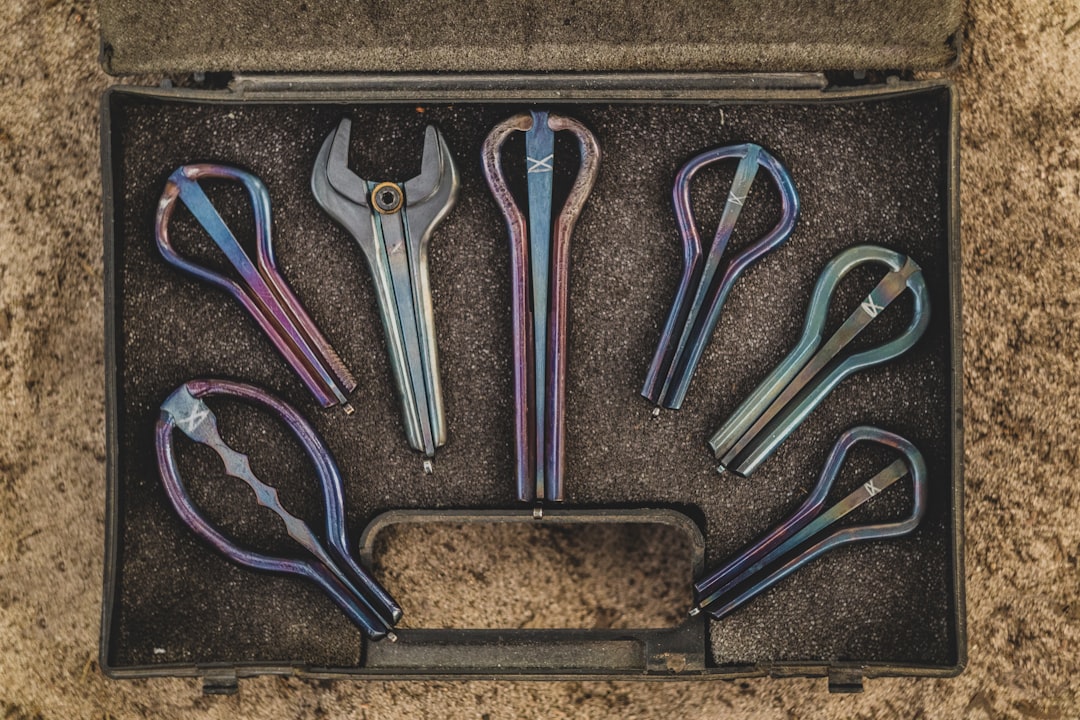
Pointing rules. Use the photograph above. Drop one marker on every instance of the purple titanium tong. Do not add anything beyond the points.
(705, 285)
(262, 291)
(359, 595)
(801, 538)
(539, 263)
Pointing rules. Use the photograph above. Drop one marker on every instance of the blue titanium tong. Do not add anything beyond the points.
(802, 380)
(539, 267)
(262, 291)
(705, 285)
(800, 538)
(392, 223)
(362, 599)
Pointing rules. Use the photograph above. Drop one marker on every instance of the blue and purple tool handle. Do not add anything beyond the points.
(705, 284)
(332, 567)
(261, 290)
(801, 537)
(539, 277)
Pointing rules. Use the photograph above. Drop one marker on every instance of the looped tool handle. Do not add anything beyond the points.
(264, 293)
(703, 287)
(779, 404)
(183, 185)
(362, 599)
(539, 260)
(741, 579)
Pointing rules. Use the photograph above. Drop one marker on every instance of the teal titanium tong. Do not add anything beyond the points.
(802, 380)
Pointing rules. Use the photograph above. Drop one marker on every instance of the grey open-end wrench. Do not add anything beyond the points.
(392, 223)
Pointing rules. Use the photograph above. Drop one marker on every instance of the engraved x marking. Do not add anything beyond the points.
(871, 308)
(193, 419)
(541, 165)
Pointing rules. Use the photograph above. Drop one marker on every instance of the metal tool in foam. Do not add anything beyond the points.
(539, 281)
(331, 566)
(392, 223)
(260, 289)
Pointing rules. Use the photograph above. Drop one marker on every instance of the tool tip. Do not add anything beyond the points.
(429, 467)
(694, 611)
(720, 469)
(656, 411)
(391, 637)
(349, 409)
(538, 512)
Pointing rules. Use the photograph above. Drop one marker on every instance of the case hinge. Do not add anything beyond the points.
(845, 680)
(220, 681)
(524, 86)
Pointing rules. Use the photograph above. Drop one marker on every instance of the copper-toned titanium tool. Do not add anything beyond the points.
(539, 264)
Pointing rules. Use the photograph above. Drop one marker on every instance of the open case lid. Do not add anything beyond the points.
(507, 35)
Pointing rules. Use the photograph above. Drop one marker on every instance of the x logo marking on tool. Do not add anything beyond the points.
(193, 419)
(541, 165)
(872, 308)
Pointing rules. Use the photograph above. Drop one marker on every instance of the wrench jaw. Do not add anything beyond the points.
(353, 215)
(432, 194)
(432, 165)
(394, 233)
(336, 164)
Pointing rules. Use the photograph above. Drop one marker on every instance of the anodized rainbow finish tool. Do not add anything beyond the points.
(539, 262)
(392, 223)
(359, 595)
(802, 380)
(799, 539)
(262, 291)
(705, 284)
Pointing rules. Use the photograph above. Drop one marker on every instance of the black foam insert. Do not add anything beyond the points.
(870, 170)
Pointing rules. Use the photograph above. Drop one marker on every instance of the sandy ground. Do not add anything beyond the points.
(1020, 94)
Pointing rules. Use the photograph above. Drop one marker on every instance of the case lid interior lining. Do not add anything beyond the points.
(504, 35)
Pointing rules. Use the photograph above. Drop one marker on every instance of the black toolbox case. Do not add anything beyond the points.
(873, 154)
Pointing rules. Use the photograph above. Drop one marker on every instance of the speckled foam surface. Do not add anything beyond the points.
(602, 35)
(867, 171)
